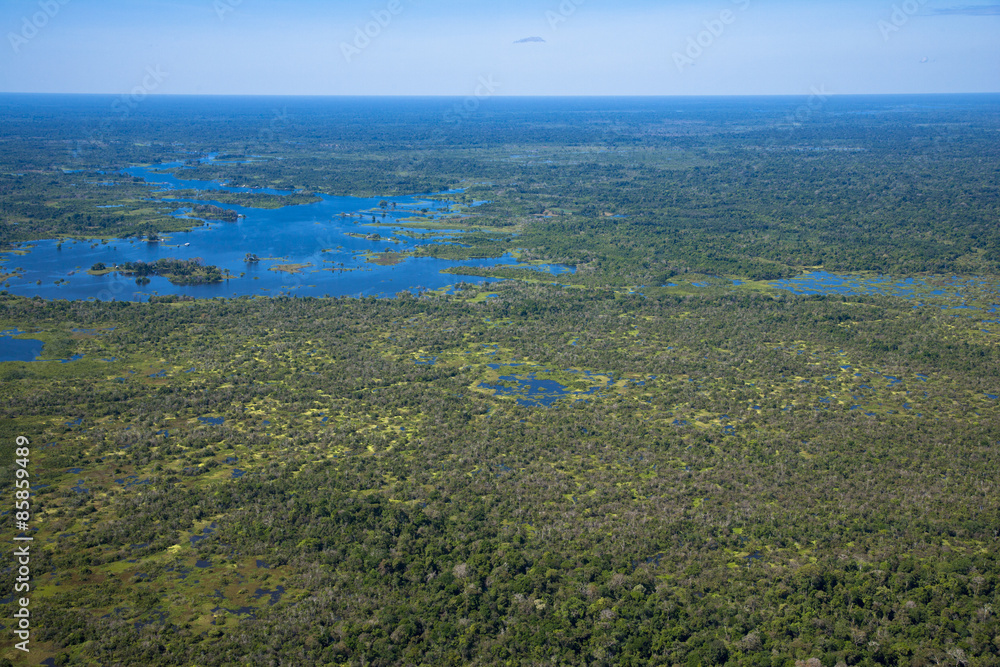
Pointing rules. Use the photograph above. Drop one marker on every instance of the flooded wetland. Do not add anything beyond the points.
(636, 381)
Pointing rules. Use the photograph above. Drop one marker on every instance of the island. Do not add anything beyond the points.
(177, 271)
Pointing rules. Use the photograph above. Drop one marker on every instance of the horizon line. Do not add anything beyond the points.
(499, 96)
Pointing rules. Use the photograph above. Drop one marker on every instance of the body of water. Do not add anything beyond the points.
(15, 349)
(959, 295)
(328, 236)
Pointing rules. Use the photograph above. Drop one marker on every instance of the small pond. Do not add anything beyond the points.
(18, 349)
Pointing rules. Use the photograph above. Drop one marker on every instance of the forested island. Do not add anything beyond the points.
(640, 447)
(211, 212)
(177, 271)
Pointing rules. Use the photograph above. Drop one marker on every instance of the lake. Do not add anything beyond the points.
(318, 235)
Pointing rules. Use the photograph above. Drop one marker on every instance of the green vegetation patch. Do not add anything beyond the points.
(289, 268)
(177, 271)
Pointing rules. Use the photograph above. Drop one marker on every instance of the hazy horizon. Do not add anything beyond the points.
(499, 96)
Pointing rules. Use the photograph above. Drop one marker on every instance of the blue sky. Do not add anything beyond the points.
(452, 47)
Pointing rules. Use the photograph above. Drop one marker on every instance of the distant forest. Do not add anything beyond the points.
(628, 191)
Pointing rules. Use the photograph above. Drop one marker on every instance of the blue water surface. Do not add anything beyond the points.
(534, 392)
(14, 349)
(318, 234)
(953, 289)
